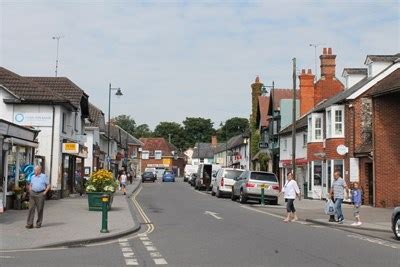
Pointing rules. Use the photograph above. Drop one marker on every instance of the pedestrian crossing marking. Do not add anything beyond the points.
(151, 248)
(155, 254)
(143, 238)
(126, 249)
(160, 261)
(147, 243)
(124, 244)
(131, 262)
(129, 254)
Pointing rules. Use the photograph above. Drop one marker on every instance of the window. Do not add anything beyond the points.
(76, 122)
(317, 172)
(335, 122)
(338, 122)
(285, 144)
(64, 122)
(145, 154)
(318, 128)
(157, 154)
(315, 125)
(304, 140)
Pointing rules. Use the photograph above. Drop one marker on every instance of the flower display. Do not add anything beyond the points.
(101, 181)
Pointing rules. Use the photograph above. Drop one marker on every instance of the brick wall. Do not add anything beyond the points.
(386, 110)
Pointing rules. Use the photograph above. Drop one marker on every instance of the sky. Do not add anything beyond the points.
(178, 59)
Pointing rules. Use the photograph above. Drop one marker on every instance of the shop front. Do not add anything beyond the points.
(17, 146)
(73, 157)
(301, 173)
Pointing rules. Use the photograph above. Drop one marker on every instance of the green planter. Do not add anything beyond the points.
(94, 200)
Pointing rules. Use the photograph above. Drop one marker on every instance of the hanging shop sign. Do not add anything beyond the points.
(70, 148)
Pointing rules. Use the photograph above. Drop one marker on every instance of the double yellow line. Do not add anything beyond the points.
(146, 220)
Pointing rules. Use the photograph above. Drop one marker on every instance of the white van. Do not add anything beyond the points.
(189, 170)
(224, 181)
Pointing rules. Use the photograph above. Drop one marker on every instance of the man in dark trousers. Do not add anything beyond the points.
(38, 188)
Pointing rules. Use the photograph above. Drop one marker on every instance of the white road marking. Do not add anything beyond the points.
(129, 254)
(143, 238)
(141, 235)
(147, 243)
(376, 241)
(131, 262)
(124, 244)
(160, 261)
(201, 193)
(214, 214)
(151, 248)
(126, 249)
(155, 254)
(7, 257)
(318, 226)
(122, 240)
(260, 211)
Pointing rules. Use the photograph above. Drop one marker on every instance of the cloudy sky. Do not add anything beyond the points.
(175, 59)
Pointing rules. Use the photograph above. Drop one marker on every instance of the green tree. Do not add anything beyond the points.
(232, 127)
(174, 130)
(198, 130)
(143, 130)
(126, 122)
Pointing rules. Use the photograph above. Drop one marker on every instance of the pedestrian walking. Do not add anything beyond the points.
(122, 180)
(291, 191)
(38, 188)
(338, 187)
(356, 194)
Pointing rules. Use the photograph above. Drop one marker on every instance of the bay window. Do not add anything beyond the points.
(315, 124)
(335, 122)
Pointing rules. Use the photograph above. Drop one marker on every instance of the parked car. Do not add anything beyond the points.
(396, 222)
(168, 176)
(224, 180)
(192, 179)
(248, 187)
(204, 175)
(149, 176)
(153, 170)
(189, 170)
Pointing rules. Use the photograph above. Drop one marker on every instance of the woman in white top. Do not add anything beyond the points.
(290, 191)
(122, 180)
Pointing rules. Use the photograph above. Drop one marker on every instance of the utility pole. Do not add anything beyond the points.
(315, 60)
(58, 44)
(294, 121)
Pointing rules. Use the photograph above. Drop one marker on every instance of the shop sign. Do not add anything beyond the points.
(33, 119)
(166, 161)
(70, 148)
(342, 150)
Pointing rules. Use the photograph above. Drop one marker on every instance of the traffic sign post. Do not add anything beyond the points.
(104, 213)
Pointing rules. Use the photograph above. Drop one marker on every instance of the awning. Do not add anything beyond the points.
(20, 142)
(288, 163)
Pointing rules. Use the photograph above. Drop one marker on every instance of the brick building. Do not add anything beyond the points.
(158, 153)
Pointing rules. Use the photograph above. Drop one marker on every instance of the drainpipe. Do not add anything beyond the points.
(52, 147)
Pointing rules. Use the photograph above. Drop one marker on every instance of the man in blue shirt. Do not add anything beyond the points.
(38, 189)
(338, 187)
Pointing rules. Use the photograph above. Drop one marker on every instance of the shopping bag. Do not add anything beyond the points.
(330, 208)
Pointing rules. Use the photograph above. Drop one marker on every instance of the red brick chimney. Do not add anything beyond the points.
(214, 140)
(328, 63)
(307, 101)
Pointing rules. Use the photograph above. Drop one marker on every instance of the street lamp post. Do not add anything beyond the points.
(118, 94)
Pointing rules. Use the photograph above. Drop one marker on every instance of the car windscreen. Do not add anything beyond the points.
(168, 173)
(262, 176)
(232, 174)
(148, 173)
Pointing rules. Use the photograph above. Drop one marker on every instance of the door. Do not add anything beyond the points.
(368, 167)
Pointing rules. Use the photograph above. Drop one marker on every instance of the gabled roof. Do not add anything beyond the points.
(301, 124)
(355, 71)
(389, 84)
(382, 58)
(262, 113)
(96, 117)
(65, 87)
(276, 95)
(220, 148)
(203, 150)
(158, 143)
(27, 90)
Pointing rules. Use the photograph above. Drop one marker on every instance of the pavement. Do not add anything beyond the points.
(68, 222)
(375, 221)
(184, 227)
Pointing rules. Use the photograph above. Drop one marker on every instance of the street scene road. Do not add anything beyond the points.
(184, 227)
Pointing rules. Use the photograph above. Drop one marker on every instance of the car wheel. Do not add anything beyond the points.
(212, 193)
(242, 197)
(233, 197)
(218, 194)
(397, 227)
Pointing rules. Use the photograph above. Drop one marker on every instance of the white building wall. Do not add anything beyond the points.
(89, 144)
(375, 68)
(301, 148)
(353, 79)
(5, 110)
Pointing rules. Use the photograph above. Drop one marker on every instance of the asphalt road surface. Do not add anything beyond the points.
(184, 227)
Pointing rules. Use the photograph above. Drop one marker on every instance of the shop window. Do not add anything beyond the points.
(317, 173)
(338, 166)
(329, 173)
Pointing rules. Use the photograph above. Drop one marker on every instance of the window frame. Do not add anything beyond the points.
(145, 152)
(332, 122)
(312, 129)
(158, 152)
(63, 123)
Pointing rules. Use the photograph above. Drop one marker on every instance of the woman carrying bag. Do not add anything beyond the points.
(291, 191)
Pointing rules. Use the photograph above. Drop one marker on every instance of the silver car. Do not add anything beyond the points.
(248, 187)
(223, 181)
(396, 222)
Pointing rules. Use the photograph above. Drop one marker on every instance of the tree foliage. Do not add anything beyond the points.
(198, 130)
(143, 130)
(173, 129)
(232, 127)
(126, 122)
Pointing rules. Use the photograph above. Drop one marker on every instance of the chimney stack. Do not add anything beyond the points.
(328, 63)
(307, 101)
(214, 140)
